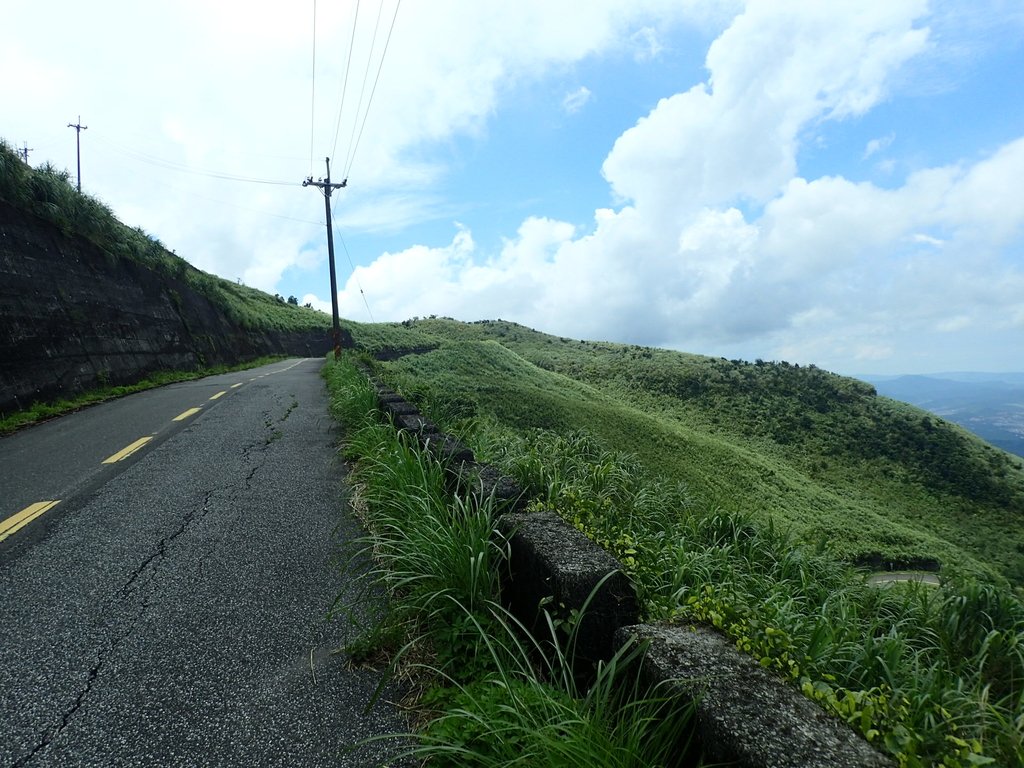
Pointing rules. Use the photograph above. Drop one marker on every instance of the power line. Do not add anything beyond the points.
(354, 275)
(182, 168)
(362, 89)
(380, 66)
(312, 95)
(344, 84)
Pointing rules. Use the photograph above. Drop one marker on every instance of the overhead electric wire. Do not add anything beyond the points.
(344, 82)
(380, 66)
(182, 168)
(355, 277)
(362, 88)
(312, 96)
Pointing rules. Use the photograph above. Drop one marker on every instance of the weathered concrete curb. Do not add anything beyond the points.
(550, 558)
(746, 715)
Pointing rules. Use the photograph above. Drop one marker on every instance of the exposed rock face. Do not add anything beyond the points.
(73, 317)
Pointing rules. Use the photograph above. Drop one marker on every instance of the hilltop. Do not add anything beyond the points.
(869, 479)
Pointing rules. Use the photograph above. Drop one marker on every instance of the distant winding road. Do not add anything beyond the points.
(166, 565)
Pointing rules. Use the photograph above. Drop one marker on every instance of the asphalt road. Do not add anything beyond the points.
(171, 609)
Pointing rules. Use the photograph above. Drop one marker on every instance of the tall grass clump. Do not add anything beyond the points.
(490, 693)
(529, 711)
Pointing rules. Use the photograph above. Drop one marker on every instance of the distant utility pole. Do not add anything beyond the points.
(24, 151)
(326, 187)
(78, 146)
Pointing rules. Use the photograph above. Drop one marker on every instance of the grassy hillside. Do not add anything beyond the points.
(845, 470)
(48, 194)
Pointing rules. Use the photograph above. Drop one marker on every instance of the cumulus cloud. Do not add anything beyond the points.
(717, 240)
(248, 68)
(718, 244)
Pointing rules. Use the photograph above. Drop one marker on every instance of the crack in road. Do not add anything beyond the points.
(141, 580)
(161, 551)
(132, 585)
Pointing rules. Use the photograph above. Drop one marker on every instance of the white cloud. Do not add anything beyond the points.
(717, 241)
(817, 269)
(736, 136)
(646, 43)
(226, 88)
(576, 100)
(877, 145)
(920, 237)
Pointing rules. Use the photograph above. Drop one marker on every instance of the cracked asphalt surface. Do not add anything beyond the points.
(176, 615)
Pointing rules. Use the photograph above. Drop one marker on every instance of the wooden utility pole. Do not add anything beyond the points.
(24, 151)
(327, 187)
(78, 146)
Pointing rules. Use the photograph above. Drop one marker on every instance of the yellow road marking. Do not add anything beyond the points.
(186, 414)
(219, 394)
(15, 523)
(124, 453)
(237, 385)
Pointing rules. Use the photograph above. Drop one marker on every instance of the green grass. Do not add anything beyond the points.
(930, 674)
(493, 695)
(817, 454)
(38, 412)
(727, 508)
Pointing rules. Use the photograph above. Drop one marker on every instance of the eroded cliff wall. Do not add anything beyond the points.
(73, 317)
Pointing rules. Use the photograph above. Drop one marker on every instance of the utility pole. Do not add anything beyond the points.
(326, 187)
(24, 151)
(78, 146)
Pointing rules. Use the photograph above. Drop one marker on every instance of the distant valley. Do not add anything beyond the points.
(991, 405)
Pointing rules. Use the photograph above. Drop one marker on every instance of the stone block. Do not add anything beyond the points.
(448, 450)
(746, 715)
(553, 565)
(416, 424)
(399, 408)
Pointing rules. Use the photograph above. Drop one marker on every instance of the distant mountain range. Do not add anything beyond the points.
(991, 405)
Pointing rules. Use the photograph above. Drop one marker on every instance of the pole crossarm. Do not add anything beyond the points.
(325, 186)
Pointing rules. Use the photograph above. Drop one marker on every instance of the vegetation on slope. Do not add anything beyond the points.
(934, 676)
(493, 694)
(48, 194)
(820, 455)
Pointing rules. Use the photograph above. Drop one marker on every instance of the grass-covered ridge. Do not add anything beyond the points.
(48, 194)
(933, 675)
(817, 454)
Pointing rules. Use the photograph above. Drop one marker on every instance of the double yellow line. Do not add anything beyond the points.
(15, 523)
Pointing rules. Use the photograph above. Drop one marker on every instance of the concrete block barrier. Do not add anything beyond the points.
(553, 565)
(746, 715)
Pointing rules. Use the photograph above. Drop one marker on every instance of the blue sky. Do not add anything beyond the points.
(831, 183)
